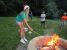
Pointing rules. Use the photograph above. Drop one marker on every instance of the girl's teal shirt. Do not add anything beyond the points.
(21, 16)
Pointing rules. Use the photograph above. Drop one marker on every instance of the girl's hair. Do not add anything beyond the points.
(26, 6)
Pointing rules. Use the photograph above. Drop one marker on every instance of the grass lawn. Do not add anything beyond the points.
(9, 37)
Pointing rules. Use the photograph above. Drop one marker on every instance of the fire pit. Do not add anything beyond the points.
(53, 42)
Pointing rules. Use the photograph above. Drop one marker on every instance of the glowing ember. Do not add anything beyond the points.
(53, 40)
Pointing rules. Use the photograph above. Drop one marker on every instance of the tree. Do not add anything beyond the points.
(44, 3)
(6, 7)
(62, 4)
(35, 6)
(52, 9)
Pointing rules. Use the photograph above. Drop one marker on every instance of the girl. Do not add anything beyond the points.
(21, 21)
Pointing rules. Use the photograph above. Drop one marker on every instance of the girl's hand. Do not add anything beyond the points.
(31, 29)
(28, 25)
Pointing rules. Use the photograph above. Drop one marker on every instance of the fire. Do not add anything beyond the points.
(51, 42)
(54, 40)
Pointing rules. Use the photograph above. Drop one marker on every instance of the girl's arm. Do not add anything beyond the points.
(25, 21)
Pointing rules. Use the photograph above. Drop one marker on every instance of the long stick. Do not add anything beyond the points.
(36, 33)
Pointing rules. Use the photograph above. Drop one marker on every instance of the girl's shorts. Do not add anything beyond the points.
(18, 22)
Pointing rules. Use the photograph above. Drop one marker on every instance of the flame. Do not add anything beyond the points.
(53, 40)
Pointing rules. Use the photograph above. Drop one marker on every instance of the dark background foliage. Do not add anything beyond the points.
(53, 8)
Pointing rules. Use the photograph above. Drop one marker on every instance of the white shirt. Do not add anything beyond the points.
(43, 17)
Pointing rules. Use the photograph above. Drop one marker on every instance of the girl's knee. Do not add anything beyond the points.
(22, 30)
(19, 30)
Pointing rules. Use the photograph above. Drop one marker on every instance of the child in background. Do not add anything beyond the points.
(31, 15)
(64, 19)
(42, 17)
(21, 21)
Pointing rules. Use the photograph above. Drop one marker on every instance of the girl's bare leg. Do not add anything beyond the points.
(24, 32)
(21, 31)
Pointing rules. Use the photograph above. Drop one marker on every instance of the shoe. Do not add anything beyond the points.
(25, 39)
(22, 41)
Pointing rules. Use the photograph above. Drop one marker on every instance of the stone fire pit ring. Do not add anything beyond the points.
(32, 43)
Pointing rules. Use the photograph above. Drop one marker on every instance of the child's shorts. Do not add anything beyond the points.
(42, 22)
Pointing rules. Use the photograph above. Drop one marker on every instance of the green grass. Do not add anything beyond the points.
(9, 37)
